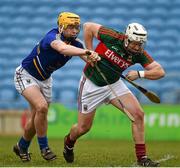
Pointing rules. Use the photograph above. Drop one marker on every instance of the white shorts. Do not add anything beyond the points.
(23, 80)
(91, 96)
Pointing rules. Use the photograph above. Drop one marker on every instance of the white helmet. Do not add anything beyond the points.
(135, 32)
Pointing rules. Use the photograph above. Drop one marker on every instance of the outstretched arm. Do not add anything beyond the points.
(153, 71)
(90, 31)
(66, 49)
(70, 50)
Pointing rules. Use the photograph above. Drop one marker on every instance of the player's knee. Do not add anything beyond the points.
(42, 109)
(28, 127)
(139, 115)
(83, 129)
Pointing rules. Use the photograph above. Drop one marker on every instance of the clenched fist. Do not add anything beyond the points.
(132, 75)
(93, 56)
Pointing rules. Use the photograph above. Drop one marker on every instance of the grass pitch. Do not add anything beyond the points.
(92, 153)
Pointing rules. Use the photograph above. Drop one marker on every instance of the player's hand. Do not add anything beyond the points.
(132, 75)
(93, 56)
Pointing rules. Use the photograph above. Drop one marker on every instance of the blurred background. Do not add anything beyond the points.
(24, 22)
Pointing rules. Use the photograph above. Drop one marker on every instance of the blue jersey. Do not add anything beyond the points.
(43, 59)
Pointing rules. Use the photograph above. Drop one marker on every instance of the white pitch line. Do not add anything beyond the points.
(166, 157)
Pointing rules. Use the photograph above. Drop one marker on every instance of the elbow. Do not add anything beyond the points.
(86, 26)
(162, 73)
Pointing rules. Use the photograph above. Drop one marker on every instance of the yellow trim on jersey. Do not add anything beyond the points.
(34, 61)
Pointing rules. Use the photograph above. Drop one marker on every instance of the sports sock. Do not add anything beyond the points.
(70, 143)
(140, 151)
(24, 144)
(43, 142)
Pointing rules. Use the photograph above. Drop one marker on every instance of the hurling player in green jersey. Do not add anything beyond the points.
(118, 51)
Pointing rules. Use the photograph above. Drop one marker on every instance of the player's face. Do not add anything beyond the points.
(71, 31)
(135, 47)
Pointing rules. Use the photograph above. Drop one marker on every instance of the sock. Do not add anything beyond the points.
(43, 142)
(140, 151)
(24, 144)
(70, 143)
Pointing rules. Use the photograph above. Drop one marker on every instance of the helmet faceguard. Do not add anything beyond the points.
(135, 32)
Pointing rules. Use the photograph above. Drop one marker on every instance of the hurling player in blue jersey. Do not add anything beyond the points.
(33, 79)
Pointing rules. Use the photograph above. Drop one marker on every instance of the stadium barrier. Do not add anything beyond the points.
(10, 122)
(162, 122)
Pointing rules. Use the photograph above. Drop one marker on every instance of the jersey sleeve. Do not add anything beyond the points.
(78, 43)
(145, 59)
(46, 41)
(107, 35)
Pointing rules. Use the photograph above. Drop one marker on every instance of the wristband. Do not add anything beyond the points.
(141, 74)
(138, 74)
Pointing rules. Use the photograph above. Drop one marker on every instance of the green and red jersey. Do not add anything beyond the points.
(113, 54)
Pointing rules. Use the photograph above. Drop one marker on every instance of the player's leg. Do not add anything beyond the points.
(130, 102)
(21, 148)
(90, 97)
(22, 81)
(132, 105)
(34, 96)
(29, 130)
(29, 87)
(46, 90)
(82, 127)
(40, 105)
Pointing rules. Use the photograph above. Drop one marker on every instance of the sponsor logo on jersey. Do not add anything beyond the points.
(114, 48)
(111, 56)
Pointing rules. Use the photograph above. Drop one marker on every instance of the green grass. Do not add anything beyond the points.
(99, 153)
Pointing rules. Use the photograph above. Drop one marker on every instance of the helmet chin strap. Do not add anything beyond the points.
(61, 29)
(126, 42)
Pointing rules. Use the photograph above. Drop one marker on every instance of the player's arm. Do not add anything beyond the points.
(66, 49)
(90, 61)
(152, 71)
(90, 31)
(70, 50)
